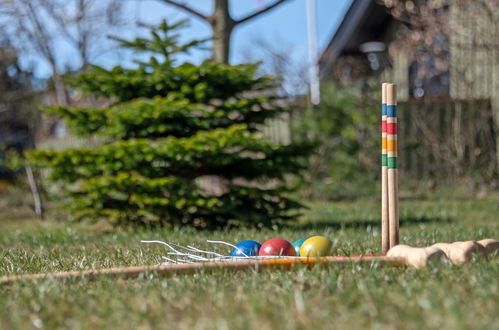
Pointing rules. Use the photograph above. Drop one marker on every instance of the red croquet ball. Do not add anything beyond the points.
(277, 247)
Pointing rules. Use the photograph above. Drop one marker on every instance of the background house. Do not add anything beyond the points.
(445, 62)
(360, 48)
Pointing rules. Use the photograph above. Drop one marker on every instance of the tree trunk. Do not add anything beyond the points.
(60, 89)
(34, 190)
(222, 25)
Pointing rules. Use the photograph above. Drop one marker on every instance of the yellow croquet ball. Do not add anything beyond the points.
(316, 246)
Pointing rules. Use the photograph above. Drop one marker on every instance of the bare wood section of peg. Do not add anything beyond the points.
(385, 225)
(391, 94)
(181, 269)
(393, 210)
(383, 93)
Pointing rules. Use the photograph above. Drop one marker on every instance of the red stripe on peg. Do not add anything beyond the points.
(391, 128)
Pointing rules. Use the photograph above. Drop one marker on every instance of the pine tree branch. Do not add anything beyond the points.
(188, 9)
(259, 12)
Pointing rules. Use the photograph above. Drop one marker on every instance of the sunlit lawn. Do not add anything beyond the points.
(444, 297)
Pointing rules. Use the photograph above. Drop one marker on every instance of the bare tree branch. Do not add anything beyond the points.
(187, 9)
(37, 26)
(258, 12)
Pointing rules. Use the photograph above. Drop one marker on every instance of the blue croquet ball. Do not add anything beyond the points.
(297, 245)
(248, 248)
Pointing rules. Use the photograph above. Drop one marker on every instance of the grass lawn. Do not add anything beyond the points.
(353, 297)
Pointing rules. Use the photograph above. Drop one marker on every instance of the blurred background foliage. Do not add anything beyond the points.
(345, 127)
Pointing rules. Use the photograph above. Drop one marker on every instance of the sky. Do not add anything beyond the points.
(284, 26)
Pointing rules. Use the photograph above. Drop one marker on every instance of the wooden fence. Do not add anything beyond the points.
(278, 129)
(447, 138)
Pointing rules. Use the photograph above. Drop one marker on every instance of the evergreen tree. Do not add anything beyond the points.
(170, 126)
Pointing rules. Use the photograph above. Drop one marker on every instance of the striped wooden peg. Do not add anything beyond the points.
(391, 146)
(385, 236)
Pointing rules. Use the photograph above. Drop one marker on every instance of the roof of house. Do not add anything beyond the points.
(364, 21)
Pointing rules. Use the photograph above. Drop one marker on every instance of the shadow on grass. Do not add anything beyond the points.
(367, 223)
